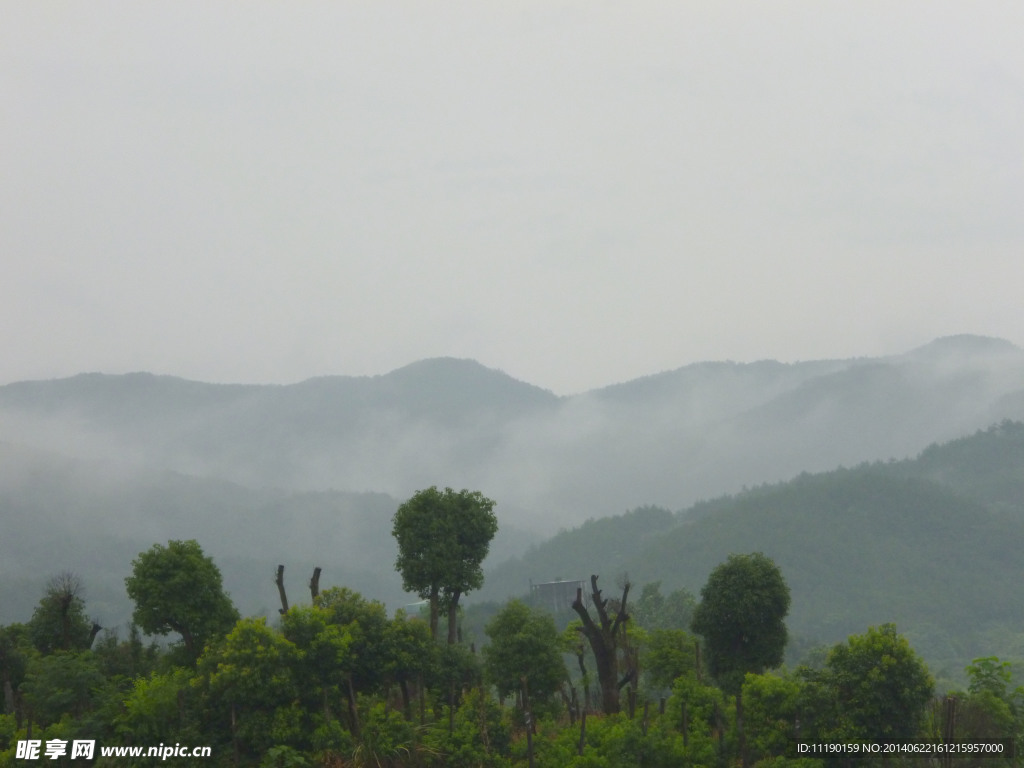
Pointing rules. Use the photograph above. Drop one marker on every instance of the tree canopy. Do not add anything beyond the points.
(741, 617)
(881, 685)
(178, 589)
(523, 643)
(443, 538)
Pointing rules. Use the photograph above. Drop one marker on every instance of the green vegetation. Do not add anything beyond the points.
(339, 683)
(741, 617)
(443, 538)
(655, 679)
(931, 544)
(178, 589)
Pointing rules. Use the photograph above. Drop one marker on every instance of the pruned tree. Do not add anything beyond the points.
(607, 638)
(742, 619)
(59, 622)
(443, 538)
(279, 580)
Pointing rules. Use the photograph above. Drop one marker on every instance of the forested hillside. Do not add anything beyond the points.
(932, 544)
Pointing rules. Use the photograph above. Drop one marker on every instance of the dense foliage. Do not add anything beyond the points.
(443, 538)
(930, 543)
(340, 683)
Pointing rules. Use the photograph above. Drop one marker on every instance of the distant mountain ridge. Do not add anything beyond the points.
(94, 469)
(668, 439)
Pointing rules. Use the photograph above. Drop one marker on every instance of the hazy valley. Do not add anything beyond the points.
(95, 468)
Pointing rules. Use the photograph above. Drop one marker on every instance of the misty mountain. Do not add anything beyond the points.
(667, 439)
(94, 518)
(932, 544)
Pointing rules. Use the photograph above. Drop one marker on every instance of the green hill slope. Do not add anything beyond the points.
(932, 544)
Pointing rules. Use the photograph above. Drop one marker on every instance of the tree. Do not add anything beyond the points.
(523, 643)
(59, 622)
(247, 680)
(411, 655)
(656, 611)
(15, 653)
(881, 685)
(443, 537)
(669, 654)
(741, 617)
(992, 708)
(771, 713)
(61, 683)
(607, 636)
(178, 589)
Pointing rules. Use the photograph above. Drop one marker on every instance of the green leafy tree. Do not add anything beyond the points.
(443, 538)
(366, 622)
(249, 688)
(344, 642)
(59, 684)
(324, 663)
(411, 656)
(881, 685)
(667, 655)
(127, 659)
(15, 653)
(700, 712)
(990, 709)
(158, 708)
(742, 618)
(523, 643)
(771, 713)
(479, 737)
(653, 610)
(178, 589)
(59, 622)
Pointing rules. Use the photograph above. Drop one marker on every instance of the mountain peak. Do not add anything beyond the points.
(965, 345)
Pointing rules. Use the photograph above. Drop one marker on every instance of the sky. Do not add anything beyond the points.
(577, 193)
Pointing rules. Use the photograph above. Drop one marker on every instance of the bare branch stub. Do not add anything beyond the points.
(280, 589)
(314, 583)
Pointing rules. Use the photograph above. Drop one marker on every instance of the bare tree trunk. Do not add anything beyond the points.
(314, 584)
(234, 734)
(741, 736)
(326, 703)
(686, 728)
(8, 694)
(604, 636)
(352, 709)
(453, 607)
(531, 728)
(403, 686)
(280, 590)
(433, 613)
(420, 692)
(190, 644)
(583, 733)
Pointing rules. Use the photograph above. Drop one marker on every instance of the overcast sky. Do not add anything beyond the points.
(577, 193)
